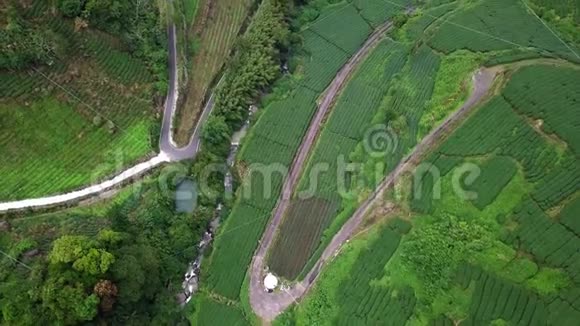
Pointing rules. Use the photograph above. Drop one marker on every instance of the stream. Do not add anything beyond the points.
(190, 283)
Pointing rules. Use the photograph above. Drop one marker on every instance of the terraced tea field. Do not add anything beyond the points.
(345, 126)
(275, 139)
(409, 83)
(511, 252)
(480, 97)
(493, 25)
(95, 99)
(369, 99)
(429, 87)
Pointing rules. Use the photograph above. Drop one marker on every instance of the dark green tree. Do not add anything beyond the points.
(68, 304)
(71, 8)
(216, 131)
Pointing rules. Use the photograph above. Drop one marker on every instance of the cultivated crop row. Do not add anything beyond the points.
(215, 313)
(22, 86)
(496, 173)
(275, 139)
(569, 216)
(493, 25)
(290, 252)
(348, 40)
(422, 199)
(118, 64)
(280, 127)
(561, 182)
(415, 27)
(76, 108)
(497, 127)
(494, 299)
(377, 11)
(553, 98)
(364, 304)
(322, 61)
(548, 241)
(345, 128)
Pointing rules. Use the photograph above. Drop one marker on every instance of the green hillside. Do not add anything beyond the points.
(81, 86)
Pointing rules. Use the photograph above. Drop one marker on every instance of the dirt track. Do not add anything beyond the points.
(269, 305)
(262, 302)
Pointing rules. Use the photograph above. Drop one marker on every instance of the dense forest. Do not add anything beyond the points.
(127, 270)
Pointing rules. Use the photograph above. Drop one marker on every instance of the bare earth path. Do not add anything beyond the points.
(261, 302)
(268, 305)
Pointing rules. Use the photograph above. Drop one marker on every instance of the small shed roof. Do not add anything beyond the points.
(270, 281)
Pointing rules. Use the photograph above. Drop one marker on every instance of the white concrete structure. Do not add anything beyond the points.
(270, 282)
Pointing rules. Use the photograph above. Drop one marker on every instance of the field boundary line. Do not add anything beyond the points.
(15, 260)
(549, 28)
(473, 30)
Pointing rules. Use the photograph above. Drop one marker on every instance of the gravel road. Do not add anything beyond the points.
(269, 305)
(262, 302)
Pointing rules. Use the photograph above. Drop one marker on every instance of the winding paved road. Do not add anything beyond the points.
(166, 143)
(169, 152)
(269, 305)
